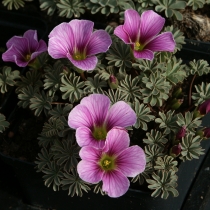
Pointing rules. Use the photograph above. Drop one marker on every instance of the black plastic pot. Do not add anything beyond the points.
(194, 49)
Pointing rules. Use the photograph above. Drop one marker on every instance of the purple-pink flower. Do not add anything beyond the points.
(77, 42)
(23, 50)
(93, 118)
(113, 163)
(141, 34)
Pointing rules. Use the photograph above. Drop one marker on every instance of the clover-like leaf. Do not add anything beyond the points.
(3, 123)
(43, 159)
(155, 89)
(53, 175)
(143, 115)
(129, 88)
(49, 5)
(69, 8)
(40, 102)
(66, 154)
(155, 138)
(60, 111)
(71, 87)
(152, 152)
(13, 3)
(119, 55)
(32, 79)
(168, 122)
(170, 7)
(114, 96)
(98, 188)
(195, 4)
(74, 184)
(191, 147)
(163, 182)
(199, 67)
(45, 141)
(95, 84)
(7, 78)
(166, 163)
(202, 93)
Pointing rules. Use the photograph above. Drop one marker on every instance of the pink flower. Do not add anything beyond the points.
(141, 34)
(93, 118)
(23, 50)
(204, 108)
(112, 164)
(77, 42)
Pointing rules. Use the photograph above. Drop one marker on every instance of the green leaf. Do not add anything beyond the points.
(195, 4)
(3, 123)
(13, 3)
(49, 5)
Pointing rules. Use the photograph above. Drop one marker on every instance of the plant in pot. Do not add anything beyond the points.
(94, 93)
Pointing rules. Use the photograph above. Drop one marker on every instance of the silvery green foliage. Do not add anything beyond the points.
(143, 5)
(191, 147)
(8, 78)
(198, 67)
(166, 163)
(195, 4)
(153, 152)
(3, 123)
(163, 183)
(170, 7)
(202, 93)
(49, 5)
(14, 3)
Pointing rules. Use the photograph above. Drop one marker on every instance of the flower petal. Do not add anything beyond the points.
(115, 184)
(90, 154)
(87, 64)
(162, 42)
(117, 140)
(89, 171)
(61, 41)
(132, 24)
(121, 115)
(31, 36)
(84, 137)
(131, 161)
(98, 105)
(41, 48)
(80, 117)
(14, 55)
(119, 31)
(151, 25)
(144, 54)
(99, 42)
(82, 30)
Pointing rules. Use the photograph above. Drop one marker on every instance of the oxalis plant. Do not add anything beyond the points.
(119, 106)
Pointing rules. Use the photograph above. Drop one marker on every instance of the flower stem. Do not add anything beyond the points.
(190, 90)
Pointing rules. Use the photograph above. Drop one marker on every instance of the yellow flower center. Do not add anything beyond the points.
(107, 163)
(79, 56)
(138, 46)
(28, 57)
(99, 133)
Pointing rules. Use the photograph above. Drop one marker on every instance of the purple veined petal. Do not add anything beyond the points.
(90, 154)
(89, 171)
(20, 44)
(82, 30)
(98, 105)
(115, 184)
(119, 31)
(56, 49)
(116, 141)
(87, 64)
(62, 37)
(131, 161)
(132, 24)
(80, 117)
(121, 115)
(41, 48)
(99, 42)
(151, 25)
(84, 137)
(13, 55)
(31, 36)
(162, 42)
(144, 54)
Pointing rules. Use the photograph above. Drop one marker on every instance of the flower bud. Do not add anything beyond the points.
(181, 133)
(177, 92)
(113, 82)
(176, 103)
(175, 150)
(204, 108)
(206, 133)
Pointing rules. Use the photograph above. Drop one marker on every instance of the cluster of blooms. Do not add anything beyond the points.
(100, 129)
